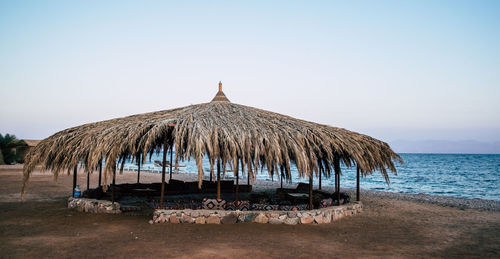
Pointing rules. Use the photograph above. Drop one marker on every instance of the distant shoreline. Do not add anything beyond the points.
(445, 146)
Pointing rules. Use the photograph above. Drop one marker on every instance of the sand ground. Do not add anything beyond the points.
(42, 226)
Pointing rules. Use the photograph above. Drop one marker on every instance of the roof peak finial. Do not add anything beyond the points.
(220, 96)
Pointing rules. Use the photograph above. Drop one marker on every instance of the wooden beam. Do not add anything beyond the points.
(218, 179)
(74, 178)
(335, 175)
(171, 156)
(337, 172)
(237, 172)
(357, 183)
(272, 174)
(338, 195)
(281, 176)
(336, 168)
(100, 174)
(88, 180)
(311, 192)
(319, 187)
(113, 186)
(122, 165)
(162, 194)
(139, 160)
(287, 173)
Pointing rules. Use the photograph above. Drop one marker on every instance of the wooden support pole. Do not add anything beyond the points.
(337, 173)
(171, 162)
(113, 186)
(88, 180)
(338, 195)
(122, 165)
(218, 179)
(287, 173)
(281, 177)
(336, 168)
(100, 174)
(237, 172)
(248, 177)
(74, 179)
(357, 183)
(139, 160)
(319, 187)
(336, 187)
(162, 194)
(311, 192)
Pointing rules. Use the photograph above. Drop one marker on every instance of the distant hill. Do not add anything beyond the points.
(445, 146)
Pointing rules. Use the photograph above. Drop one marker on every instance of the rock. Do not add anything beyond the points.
(159, 219)
(186, 219)
(306, 220)
(249, 217)
(292, 221)
(151, 222)
(230, 218)
(213, 219)
(200, 220)
(292, 214)
(282, 217)
(318, 219)
(274, 215)
(327, 218)
(174, 219)
(261, 218)
(275, 221)
(195, 214)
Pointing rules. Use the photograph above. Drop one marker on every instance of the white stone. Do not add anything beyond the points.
(261, 218)
(291, 221)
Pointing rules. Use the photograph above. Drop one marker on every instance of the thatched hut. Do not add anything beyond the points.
(223, 131)
(28, 144)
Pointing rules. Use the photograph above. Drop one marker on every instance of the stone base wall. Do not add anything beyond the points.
(93, 205)
(319, 216)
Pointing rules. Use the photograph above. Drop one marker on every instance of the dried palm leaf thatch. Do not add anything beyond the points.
(220, 130)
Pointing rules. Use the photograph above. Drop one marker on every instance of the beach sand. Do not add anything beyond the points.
(391, 225)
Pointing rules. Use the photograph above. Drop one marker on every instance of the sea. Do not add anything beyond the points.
(457, 175)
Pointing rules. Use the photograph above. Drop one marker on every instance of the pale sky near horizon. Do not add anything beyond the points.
(411, 70)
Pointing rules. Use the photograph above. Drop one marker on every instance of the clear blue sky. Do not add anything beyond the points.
(391, 69)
